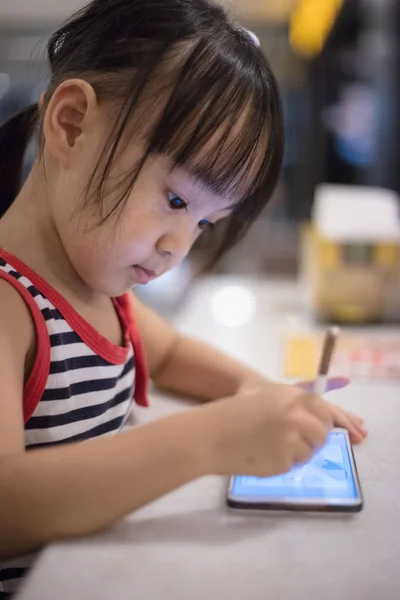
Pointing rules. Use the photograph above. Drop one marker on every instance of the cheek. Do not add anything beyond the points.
(85, 243)
(141, 223)
(103, 254)
(88, 245)
(99, 261)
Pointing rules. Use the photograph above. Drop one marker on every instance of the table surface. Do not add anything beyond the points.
(189, 546)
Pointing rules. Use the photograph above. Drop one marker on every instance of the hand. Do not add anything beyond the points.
(341, 418)
(266, 432)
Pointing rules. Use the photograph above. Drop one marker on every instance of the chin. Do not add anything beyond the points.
(119, 291)
(112, 289)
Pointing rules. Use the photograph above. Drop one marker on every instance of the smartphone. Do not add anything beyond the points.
(329, 482)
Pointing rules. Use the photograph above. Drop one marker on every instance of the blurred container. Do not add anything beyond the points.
(351, 254)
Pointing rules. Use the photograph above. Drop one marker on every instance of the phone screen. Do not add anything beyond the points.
(329, 476)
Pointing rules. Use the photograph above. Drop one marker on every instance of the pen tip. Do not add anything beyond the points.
(334, 331)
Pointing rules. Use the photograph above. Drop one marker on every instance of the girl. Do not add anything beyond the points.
(160, 119)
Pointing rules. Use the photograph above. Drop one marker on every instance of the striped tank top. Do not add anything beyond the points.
(81, 385)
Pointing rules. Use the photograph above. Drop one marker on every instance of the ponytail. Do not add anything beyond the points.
(14, 137)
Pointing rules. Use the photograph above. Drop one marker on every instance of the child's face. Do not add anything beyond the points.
(163, 216)
(158, 226)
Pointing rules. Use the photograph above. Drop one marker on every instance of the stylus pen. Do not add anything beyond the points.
(328, 349)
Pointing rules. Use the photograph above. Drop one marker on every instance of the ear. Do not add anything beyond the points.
(69, 116)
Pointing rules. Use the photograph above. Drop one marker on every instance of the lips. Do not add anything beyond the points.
(143, 275)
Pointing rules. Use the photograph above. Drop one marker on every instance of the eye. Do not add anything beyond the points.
(204, 224)
(176, 203)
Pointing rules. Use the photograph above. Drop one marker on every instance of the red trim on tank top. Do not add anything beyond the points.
(116, 355)
(142, 372)
(98, 343)
(36, 384)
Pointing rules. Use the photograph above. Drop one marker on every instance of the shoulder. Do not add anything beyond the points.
(17, 331)
(17, 342)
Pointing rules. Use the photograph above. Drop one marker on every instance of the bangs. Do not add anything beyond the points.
(215, 112)
(185, 82)
(223, 124)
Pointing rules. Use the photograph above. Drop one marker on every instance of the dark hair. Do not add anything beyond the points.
(216, 87)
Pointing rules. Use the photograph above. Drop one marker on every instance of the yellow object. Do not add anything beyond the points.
(351, 255)
(301, 357)
(328, 252)
(387, 255)
(351, 313)
(345, 292)
(311, 23)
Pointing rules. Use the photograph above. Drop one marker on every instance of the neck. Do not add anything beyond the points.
(28, 231)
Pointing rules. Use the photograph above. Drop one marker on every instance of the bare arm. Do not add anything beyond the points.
(74, 490)
(189, 367)
(53, 494)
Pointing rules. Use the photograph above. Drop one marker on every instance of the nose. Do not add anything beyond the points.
(176, 244)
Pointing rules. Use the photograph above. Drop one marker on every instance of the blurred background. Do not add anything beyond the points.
(337, 62)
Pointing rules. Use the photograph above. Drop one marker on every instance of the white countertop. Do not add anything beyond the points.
(187, 546)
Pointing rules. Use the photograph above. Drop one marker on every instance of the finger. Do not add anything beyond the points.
(357, 436)
(334, 383)
(313, 430)
(340, 414)
(357, 432)
(356, 418)
(323, 411)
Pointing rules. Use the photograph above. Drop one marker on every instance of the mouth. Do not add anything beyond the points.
(143, 275)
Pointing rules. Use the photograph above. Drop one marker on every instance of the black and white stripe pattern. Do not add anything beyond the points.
(85, 397)
(13, 571)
